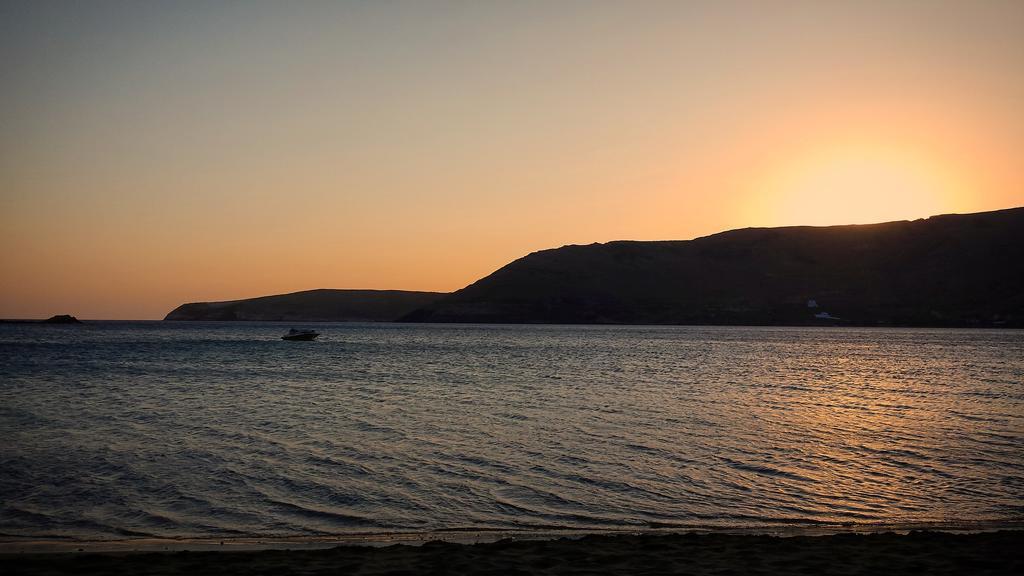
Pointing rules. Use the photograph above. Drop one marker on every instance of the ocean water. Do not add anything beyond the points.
(117, 430)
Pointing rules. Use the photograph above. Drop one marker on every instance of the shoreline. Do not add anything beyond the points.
(915, 552)
(470, 536)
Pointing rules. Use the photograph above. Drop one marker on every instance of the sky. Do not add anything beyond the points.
(155, 153)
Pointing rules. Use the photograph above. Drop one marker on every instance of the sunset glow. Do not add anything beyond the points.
(857, 186)
(158, 154)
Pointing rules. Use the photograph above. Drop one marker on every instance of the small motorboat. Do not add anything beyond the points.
(294, 334)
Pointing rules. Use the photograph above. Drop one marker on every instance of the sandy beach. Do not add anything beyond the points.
(999, 552)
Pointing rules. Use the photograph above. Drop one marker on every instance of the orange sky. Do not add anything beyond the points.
(153, 155)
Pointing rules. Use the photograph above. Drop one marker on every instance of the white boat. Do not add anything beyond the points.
(294, 334)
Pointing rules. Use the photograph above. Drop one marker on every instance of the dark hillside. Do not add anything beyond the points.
(312, 306)
(952, 270)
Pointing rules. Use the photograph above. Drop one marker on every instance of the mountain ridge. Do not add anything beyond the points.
(318, 305)
(946, 270)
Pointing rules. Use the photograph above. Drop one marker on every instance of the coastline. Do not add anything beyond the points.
(471, 536)
(920, 552)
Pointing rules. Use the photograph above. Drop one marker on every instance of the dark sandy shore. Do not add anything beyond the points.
(914, 553)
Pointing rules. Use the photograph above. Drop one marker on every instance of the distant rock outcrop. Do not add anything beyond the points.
(62, 319)
(952, 270)
(312, 306)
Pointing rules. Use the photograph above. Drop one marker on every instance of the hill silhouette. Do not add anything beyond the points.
(312, 306)
(950, 270)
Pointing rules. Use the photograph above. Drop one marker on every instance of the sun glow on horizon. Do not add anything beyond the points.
(854, 185)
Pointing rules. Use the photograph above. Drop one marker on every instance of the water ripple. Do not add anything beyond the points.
(117, 430)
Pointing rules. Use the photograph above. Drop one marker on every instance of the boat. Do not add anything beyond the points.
(294, 334)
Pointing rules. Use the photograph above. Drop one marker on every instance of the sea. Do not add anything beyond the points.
(122, 430)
